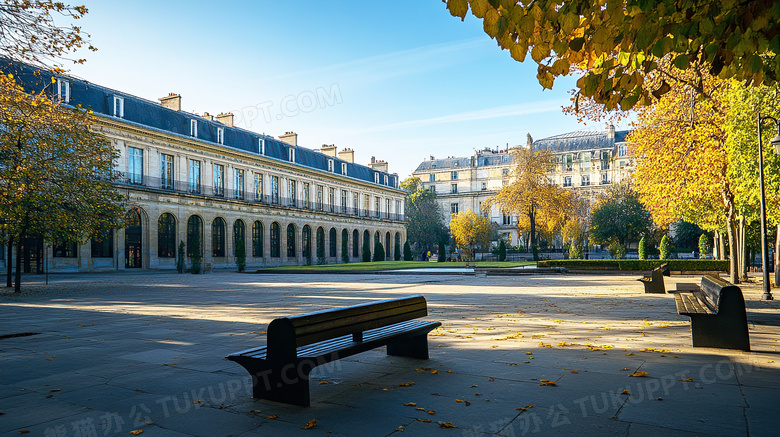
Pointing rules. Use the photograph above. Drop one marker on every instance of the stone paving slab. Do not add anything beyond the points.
(118, 352)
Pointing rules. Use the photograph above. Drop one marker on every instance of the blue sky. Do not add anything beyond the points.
(399, 80)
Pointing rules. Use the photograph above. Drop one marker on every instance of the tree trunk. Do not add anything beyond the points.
(715, 254)
(742, 251)
(777, 256)
(9, 263)
(721, 247)
(18, 285)
(532, 219)
(728, 204)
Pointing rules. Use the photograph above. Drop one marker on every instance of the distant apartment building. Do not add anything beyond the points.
(190, 177)
(585, 161)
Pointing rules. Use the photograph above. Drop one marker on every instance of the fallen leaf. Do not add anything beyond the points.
(136, 432)
(529, 353)
(323, 382)
(625, 368)
(196, 402)
(525, 408)
(574, 371)
(458, 400)
(449, 371)
(687, 380)
(434, 371)
(312, 423)
(424, 420)
(273, 416)
(467, 403)
(431, 412)
(55, 389)
(625, 392)
(406, 384)
(491, 379)
(629, 354)
(547, 382)
(639, 374)
(410, 404)
(444, 425)
(400, 428)
(254, 411)
(420, 409)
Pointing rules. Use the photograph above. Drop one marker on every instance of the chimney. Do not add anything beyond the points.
(347, 155)
(611, 131)
(171, 101)
(207, 116)
(290, 138)
(226, 119)
(378, 165)
(329, 150)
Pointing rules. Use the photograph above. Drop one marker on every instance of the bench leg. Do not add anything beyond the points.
(412, 347)
(288, 383)
(719, 332)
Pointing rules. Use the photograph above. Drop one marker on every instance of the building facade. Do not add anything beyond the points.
(585, 161)
(190, 178)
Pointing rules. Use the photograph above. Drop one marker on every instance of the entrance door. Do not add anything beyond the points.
(133, 239)
(32, 255)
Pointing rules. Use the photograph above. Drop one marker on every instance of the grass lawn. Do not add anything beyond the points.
(394, 265)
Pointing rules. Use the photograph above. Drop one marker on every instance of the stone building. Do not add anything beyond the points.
(186, 174)
(585, 161)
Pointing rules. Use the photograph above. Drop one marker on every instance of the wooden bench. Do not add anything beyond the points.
(298, 344)
(717, 312)
(654, 282)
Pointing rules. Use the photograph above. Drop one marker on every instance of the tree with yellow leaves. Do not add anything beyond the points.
(470, 230)
(55, 170)
(531, 194)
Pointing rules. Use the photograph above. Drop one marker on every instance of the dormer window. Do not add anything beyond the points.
(119, 107)
(194, 128)
(63, 90)
(387, 180)
(261, 146)
(220, 135)
(344, 168)
(291, 154)
(330, 165)
(376, 178)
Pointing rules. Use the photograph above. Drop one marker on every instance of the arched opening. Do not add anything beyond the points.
(355, 243)
(291, 241)
(320, 244)
(257, 239)
(133, 239)
(306, 236)
(239, 236)
(366, 244)
(344, 245)
(275, 249)
(398, 248)
(166, 236)
(194, 236)
(218, 238)
(332, 251)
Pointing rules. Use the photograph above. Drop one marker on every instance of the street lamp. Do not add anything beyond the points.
(764, 252)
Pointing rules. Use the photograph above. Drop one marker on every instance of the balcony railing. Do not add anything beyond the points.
(185, 187)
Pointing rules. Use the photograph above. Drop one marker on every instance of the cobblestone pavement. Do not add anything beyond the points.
(118, 353)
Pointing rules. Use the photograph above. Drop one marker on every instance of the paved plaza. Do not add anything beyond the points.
(115, 354)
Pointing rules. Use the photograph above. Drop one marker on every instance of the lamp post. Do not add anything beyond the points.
(764, 246)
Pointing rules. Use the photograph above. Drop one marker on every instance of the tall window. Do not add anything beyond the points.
(193, 128)
(377, 205)
(331, 199)
(366, 204)
(291, 154)
(103, 244)
(238, 236)
(622, 150)
(585, 180)
(259, 187)
(332, 243)
(585, 162)
(604, 179)
(275, 240)
(387, 180)
(432, 177)
(220, 135)
(343, 201)
(135, 165)
(238, 184)
(355, 204)
(291, 191)
(506, 218)
(454, 188)
(257, 239)
(166, 171)
(453, 208)
(355, 244)
(275, 190)
(218, 238)
(387, 206)
(65, 250)
(567, 181)
(320, 205)
(291, 241)
(63, 90)
(219, 180)
(194, 235)
(330, 165)
(454, 175)
(166, 236)
(376, 178)
(194, 177)
(398, 207)
(119, 107)
(344, 168)
(305, 195)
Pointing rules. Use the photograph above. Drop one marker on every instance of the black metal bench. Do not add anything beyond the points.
(298, 344)
(654, 281)
(717, 312)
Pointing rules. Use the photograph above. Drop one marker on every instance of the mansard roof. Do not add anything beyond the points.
(454, 163)
(150, 114)
(580, 140)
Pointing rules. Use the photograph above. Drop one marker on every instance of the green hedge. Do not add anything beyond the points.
(702, 265)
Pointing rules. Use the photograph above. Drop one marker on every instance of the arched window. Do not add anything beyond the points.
(194, 235)
(291, 241)
(387, 247)
(344, 243)
(332, 242)
(398, 244)
(376, 237)
(218, 238)
(320, 243)
(257, 239)
(239, 236)
(355, 244)
(275, 250)
(133, 239)
(166, 236)
(306, 235)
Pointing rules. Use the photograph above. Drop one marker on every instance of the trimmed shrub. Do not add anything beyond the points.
(407, 252)
(642, 248)
(379, 251)
(397, 253)
(197, 257)
(689, 265)
(502, 251)
(665, 248)
(240, 254)
(442, 256)
(704, 246)
(366, 251)
(180, 257)
(535, 250)
(344, 251)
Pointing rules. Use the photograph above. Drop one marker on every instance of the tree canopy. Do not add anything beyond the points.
(616, 44)
(55, 170)
(424, 223)
(30, 33)
(470, 230)
(618, 217)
